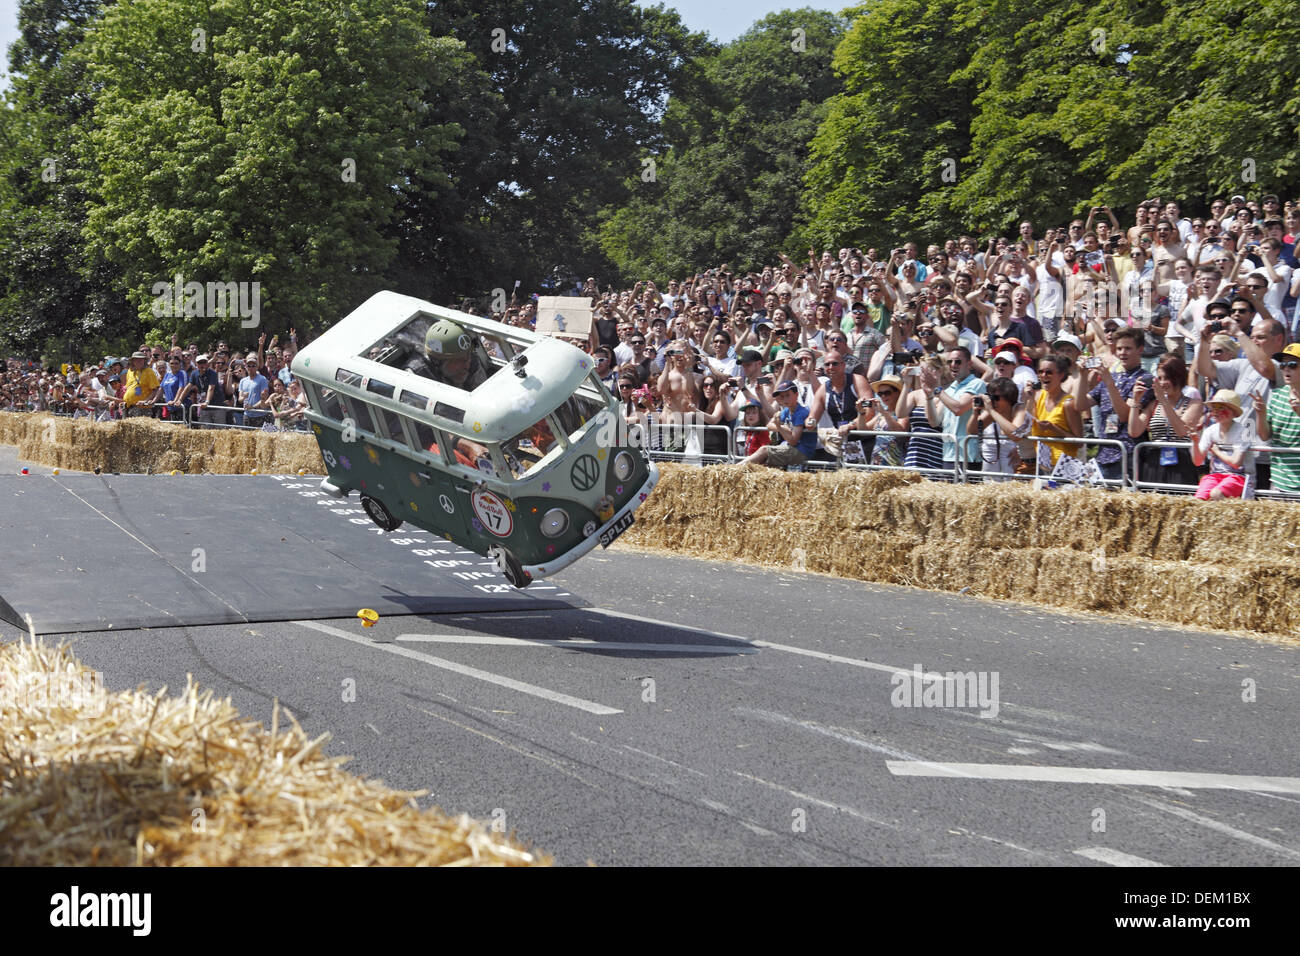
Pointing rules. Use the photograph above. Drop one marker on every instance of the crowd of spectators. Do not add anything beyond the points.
(1172, 328)
(1096, 330)
(181, 385)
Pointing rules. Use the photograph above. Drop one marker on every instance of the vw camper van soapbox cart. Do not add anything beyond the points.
(494, 437)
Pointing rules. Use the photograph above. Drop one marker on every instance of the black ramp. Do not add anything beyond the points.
(92, 552)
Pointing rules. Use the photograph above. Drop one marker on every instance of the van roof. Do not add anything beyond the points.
(497, 410)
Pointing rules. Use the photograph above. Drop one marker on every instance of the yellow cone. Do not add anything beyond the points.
(368, 617)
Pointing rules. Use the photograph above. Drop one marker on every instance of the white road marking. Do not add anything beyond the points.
(1131, 778)
(555, 696)
(798, 795)
(820, 655)
(576, 643)
(839, 735)
(1114, 857)
(836, 659)
(1219, 827)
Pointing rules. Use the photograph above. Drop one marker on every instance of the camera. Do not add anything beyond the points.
(1035, 386)
(1215, 327)
(1092, 362)
(978, 401)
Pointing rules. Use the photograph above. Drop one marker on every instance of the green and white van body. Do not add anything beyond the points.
(559, 476)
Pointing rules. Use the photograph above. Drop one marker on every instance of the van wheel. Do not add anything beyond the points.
(509, 565)
(379, 514)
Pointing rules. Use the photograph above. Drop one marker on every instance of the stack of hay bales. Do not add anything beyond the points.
(91, 778)
(145, 445)
(1222, 565)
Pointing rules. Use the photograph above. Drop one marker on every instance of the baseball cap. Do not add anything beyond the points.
(201, 358)
(859, 307)
(1291, 351)
(786, 386)
(1065, 338)
(751, 355)
(1218, 304)
(1239, 198)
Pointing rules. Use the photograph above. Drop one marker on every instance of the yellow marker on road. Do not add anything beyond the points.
(368, 617)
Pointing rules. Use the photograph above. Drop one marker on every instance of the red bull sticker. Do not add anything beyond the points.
(492, 511)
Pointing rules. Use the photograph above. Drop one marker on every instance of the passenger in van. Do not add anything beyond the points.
(449, 357)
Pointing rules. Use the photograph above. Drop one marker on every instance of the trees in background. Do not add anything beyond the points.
(326, 150)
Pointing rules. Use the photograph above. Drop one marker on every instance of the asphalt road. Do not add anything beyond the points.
(709, 713)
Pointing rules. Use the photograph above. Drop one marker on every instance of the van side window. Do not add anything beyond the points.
(391, 422)
(360, 413)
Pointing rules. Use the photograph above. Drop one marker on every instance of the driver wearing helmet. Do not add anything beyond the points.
(449, 357)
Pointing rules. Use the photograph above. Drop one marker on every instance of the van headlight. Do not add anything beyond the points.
(624, 465)
(554, 522)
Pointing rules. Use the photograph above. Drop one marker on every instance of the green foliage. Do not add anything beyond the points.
(261, 141)
(580, 86)
(728, 189)
(880, 158)
(54, 294)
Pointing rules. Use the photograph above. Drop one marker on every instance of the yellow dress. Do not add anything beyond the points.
(1055, 417)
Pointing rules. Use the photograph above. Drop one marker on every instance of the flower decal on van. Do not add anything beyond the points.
(478, 427)
(345, 462)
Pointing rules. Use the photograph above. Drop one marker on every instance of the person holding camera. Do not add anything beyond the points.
(1001, 419)
(951, 409)
(1175, 414)
(1111, 395)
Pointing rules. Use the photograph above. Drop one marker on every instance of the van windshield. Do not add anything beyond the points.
(529, 448)
(576, 412)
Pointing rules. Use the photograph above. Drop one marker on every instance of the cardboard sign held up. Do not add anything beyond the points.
(564, 316)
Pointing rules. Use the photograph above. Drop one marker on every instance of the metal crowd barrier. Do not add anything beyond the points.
(266, 416)
(956, 474)
(1251, 490)
(684, 432)
(1121, 482)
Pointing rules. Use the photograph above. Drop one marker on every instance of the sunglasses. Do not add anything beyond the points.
(1291, 366)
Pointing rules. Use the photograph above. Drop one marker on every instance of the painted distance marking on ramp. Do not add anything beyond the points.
(555, 696)
(1129, 778)
(575, 644)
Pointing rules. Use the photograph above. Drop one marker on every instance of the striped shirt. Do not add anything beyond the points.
(1284, 428)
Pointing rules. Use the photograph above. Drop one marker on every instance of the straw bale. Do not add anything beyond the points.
(142, 445)
(1219, 565)
(92, 778)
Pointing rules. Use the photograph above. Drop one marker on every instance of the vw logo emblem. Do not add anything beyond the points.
(584, 473)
